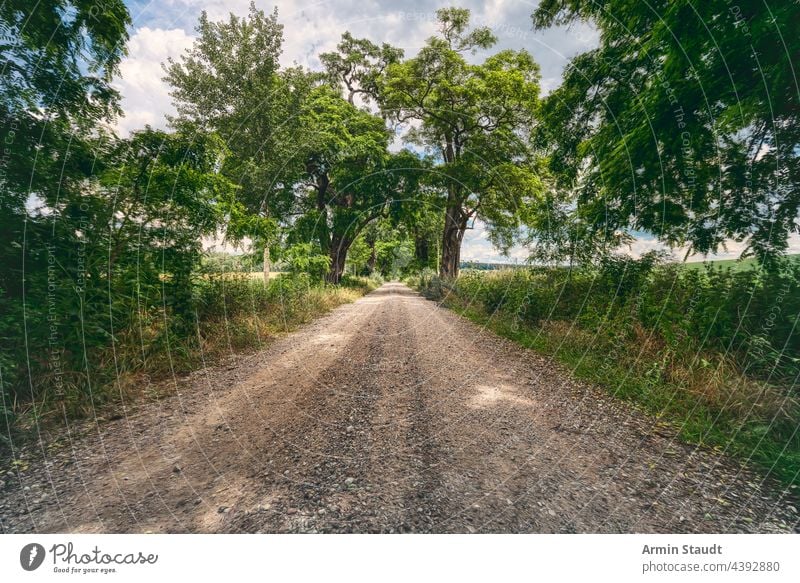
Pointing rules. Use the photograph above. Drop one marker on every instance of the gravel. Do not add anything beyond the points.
(387, 415)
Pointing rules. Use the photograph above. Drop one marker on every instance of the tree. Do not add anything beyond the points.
(306, 258)
(159, 194)
(357, 66)
(384, 242)
(683, 122)
(419, 217)
(229, 83)
(303, 156)
(57, 59)
(358, 258)
(476, 118)
(350, 179)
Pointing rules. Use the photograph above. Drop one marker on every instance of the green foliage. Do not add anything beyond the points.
(217, 262)
(358, 258)
(682, 123)
(714, 350)
(310, 164)
(58, 58)
(394, 258)
(229, 84)
(390, 248)
(110, 261)
(350, 177)
(475, 117)
(230, 70)
(306, 259)
(357, 66)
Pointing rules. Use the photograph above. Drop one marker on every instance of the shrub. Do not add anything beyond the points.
(714, 348)
(306, 258)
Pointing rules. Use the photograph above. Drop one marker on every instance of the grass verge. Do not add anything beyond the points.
(233, 316)
(705, 396)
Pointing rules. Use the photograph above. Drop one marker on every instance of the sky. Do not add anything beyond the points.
(166, 29)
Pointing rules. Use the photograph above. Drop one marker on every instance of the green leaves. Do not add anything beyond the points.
(57, 59)
(228, 80)
(476, 120)
(453, 25)
(682, 122)
(229, 83)
(304, 258)
(357, 66)
(333, 129)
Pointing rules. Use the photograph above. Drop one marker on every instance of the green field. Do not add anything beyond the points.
(734, 264)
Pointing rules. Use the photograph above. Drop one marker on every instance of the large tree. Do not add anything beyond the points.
(347, 176)
(476, 119)
(229, 83)
(303, 155)
(683, 122)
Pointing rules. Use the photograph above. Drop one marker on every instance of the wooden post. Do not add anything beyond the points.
(266, 264)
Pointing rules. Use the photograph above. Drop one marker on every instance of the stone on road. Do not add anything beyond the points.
(390, 414)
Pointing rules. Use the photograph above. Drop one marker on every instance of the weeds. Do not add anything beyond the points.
(231, 315)
(714, 351)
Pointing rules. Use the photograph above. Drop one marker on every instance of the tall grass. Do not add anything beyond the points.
(230, 314)
(714, 351)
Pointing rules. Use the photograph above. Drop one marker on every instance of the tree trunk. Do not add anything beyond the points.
(338, 255)
(454, 227)
(373, 258)
(266, 264)
(421, 250)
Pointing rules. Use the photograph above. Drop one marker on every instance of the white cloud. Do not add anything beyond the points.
(477, 247)
(732, 249)
(310, 27)
(145, 97)
(166, 30)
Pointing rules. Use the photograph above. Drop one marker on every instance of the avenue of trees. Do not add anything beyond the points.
(683, 124)
(310, 151)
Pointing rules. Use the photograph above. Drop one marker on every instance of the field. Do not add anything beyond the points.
(734, 264)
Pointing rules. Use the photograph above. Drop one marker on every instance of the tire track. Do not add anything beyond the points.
(391, 415)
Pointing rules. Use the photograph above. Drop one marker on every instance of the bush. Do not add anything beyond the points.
(224, 312)
(715, 349)
(305, 258)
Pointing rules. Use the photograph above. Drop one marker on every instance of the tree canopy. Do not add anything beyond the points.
(476, 120)
(682, 123)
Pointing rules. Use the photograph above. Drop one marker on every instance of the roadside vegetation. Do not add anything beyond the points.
(713, 351)
(681, 125)
(227, 314)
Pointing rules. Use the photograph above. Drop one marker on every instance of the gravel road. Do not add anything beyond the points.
(387, 415)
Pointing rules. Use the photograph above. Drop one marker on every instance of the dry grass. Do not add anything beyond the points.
(144, 363)
(711, 378)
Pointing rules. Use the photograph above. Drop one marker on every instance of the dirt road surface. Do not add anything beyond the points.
(387, 415)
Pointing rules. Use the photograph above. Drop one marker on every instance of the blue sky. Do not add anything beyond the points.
(165, 29)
